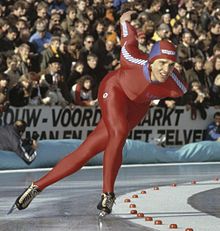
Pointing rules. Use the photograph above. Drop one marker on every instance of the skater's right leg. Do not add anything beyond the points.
(94, 144)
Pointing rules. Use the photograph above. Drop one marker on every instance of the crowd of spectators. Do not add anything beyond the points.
(56, 52)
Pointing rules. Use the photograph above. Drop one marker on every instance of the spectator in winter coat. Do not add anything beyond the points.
(82, 92)
(213, 129)
(11, 140)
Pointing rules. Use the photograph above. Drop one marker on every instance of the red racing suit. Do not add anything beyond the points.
(124, 98)
(134, 74)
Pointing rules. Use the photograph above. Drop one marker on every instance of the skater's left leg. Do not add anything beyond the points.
(113, 155)
(113, 158)
(114, 114)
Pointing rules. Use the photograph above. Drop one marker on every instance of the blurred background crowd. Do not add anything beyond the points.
(56, 52)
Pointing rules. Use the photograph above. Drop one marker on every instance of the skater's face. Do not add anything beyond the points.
(161, 69)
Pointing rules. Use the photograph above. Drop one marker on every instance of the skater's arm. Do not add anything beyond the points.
(128, 32)
(130, 54)
(181, 83)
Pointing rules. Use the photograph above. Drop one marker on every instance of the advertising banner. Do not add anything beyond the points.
(65, 123)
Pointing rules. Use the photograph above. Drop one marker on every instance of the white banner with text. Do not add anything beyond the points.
(77, 123)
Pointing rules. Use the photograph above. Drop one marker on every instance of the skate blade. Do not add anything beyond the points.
(100, 224)
(12, 209)
(102, 214)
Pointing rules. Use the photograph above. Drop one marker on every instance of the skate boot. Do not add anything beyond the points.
(25, 198)
(106, 203)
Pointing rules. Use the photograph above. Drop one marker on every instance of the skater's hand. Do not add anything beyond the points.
(126, 17)
(170, 103)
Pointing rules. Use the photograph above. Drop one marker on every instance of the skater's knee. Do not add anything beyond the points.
(118, 134)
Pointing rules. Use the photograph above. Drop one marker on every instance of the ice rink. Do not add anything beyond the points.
(188, 195)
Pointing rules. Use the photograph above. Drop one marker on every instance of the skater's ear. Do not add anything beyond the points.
(150, 66)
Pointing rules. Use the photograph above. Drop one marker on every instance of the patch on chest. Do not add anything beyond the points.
(105, 95)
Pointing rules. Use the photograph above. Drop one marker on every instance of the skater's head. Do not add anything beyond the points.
(162, 59)
(162, 50)
(20, 126)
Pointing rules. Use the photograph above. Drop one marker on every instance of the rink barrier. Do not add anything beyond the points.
(134, 152)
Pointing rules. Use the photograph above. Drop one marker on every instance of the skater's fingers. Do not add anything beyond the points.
(126, 17)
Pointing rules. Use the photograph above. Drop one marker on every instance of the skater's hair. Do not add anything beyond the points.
(20, 126)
